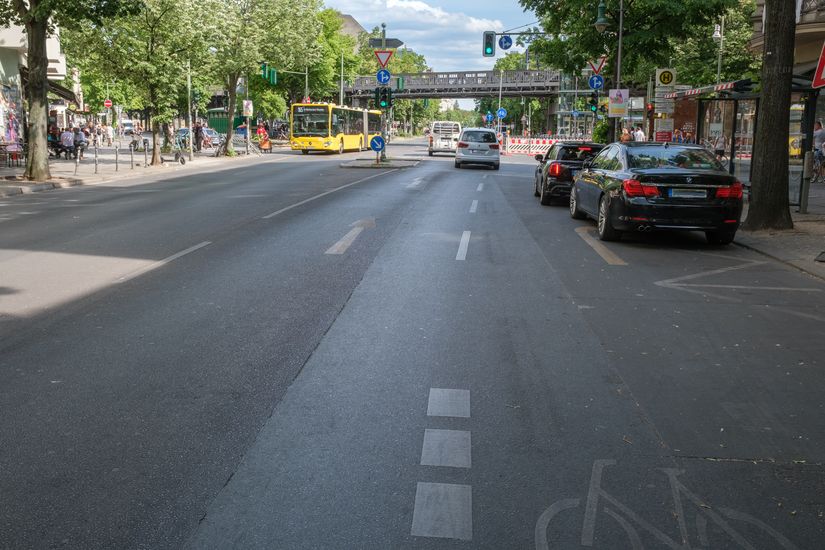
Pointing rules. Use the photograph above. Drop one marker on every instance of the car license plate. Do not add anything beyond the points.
(688, 193)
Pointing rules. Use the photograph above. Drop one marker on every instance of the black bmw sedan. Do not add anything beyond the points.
(640, 186)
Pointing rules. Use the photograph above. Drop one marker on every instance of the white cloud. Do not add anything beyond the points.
(449, 40)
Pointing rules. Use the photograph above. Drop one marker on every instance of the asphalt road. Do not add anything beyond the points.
(289, 354)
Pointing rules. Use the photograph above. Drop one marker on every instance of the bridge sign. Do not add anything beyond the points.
(377, 144)
(596, 82)
(383, 76)
(505, 42)
(502, 112)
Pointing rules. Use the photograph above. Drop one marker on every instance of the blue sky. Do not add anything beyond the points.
(446, 32)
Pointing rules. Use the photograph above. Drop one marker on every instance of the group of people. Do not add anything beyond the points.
(71, 142)
(633, 134)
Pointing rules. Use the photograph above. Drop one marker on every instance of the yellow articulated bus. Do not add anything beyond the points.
(328, 127)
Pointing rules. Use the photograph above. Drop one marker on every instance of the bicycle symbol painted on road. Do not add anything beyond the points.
(598, 500)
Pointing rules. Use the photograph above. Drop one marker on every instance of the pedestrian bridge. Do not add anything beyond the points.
(461, 84)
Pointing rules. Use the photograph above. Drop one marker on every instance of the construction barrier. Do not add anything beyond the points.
(533, 146)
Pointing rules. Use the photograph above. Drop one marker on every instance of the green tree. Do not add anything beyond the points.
(695, 57)
(40, 18)
(148, 52)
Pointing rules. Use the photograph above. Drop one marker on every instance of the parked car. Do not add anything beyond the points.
(478, 146)
(214, 137)
(556, 169)
(639, 186)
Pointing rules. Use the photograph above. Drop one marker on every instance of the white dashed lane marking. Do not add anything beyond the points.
(443, 510)
(446, 448)
(446, 402)
(474, 207)
(462, 247)
(480, 187)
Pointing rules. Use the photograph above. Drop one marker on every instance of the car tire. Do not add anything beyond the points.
(496, 166)
(603, 226)
(575, 213)
(546, 199)
(304, 152)
(430, 153)
(457, 164)
(720, 237)
(536, 188)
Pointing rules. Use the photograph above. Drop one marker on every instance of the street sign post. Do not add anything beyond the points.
(377, 144)
(502, 112)
(597, 66)
(596, 82)
(383, 76)
(383, 57)
(386, 43)
(505, 42)
(107, 103)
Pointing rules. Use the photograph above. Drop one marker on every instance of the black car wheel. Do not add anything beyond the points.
(606, 231)
(304, 152)
(536, 187)
(575, 213)
(457, 164)
(496, 166)
(546, 199)
(720, 237)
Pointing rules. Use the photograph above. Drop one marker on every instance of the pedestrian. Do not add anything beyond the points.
(677, 136)
(720, 145)
(639, 134)
(80, 143)
(819, 140)
(67, 142)
(198, 136)
(689, 137)
(626, 137)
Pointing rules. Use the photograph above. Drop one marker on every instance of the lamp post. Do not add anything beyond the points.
(719, 34)
(189, 106)
(601, 25)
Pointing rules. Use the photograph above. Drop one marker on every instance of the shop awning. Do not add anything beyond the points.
(54, 87)
(735, 86)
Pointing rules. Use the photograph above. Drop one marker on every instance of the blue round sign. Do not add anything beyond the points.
(596, 82)
(383, 76)
(489, 117)
(505, 42)
(377, 144)
(502, 112)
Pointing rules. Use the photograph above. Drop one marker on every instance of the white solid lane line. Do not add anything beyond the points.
(163, 262)
(346, 241)
(606, 254)
(324, 194)
(462, 247)
(480, 187)
(474, 207)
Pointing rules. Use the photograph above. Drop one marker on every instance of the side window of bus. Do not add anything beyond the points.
(337, 123)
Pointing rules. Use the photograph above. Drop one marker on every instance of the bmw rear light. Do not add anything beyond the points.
(555, 169)
(635, 188)
(462, 145)
(732, 192)
(494, 146)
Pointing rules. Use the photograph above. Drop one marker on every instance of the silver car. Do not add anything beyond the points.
(478, 146)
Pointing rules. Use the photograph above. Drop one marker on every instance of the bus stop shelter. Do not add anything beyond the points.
(729, 109)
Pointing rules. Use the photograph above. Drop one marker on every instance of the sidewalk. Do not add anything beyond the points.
(800, 246)
(110, 166)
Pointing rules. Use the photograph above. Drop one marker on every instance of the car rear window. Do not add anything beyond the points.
(671, 157)
(479, 137)
(578, 152)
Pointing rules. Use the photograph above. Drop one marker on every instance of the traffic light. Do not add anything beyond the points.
(389, 98)
(264, 74)
(594, 102)
(384, 98)
(489, 44)
(269, 73)
(650, 109)
(377, 97)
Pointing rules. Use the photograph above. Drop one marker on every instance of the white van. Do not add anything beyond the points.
(444, 136)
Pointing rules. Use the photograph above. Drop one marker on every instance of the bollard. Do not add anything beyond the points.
(145, 158)
(131, 158)
(95, 156)
(116, 158)
(76, 160)
(808, 167)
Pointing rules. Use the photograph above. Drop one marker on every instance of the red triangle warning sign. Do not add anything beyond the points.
(818, 80)
(383, 57)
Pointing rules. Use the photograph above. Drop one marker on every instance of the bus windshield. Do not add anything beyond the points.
(310, 121)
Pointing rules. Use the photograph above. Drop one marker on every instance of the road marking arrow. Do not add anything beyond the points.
(346, 241)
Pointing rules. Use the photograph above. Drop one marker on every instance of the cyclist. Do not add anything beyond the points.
(819, 156)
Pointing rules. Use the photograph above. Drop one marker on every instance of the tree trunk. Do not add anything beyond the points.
(37, 160)
(769, 208)
(232, 88)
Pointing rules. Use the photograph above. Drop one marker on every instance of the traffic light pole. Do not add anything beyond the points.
(384, 112)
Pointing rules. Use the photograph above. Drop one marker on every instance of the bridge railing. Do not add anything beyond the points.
(458, 82)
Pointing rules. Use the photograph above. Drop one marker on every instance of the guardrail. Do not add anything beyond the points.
(462, 84)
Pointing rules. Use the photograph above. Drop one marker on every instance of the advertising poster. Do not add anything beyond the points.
(247, 107)
(618, 103)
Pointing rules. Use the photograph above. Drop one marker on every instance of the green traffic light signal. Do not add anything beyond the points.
(593, 108)
(489, 49)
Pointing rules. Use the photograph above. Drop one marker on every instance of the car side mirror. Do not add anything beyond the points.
(539, 157)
